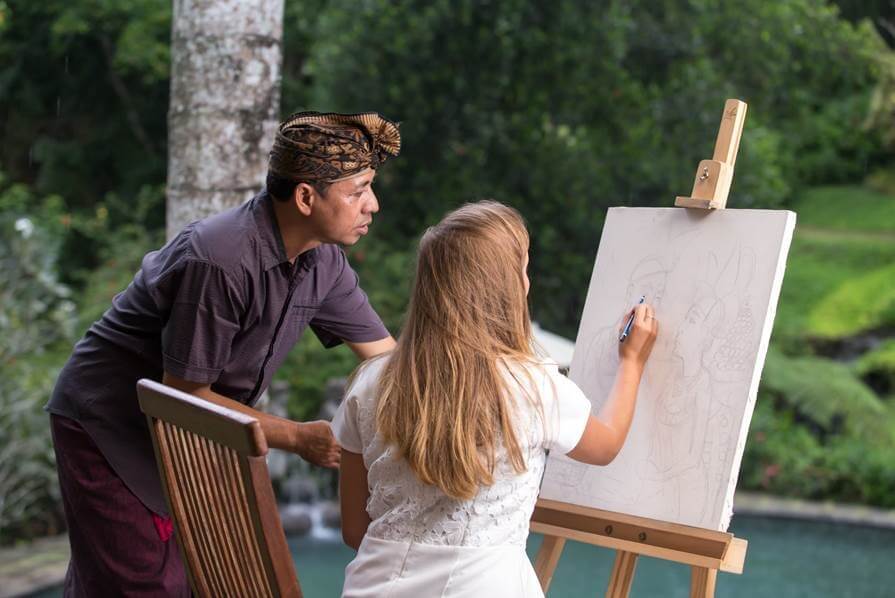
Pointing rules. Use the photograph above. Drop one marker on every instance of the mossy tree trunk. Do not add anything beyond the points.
(226, 58)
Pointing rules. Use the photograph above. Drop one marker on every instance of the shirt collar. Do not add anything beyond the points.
(273, 250)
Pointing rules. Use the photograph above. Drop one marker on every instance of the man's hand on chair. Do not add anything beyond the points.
(316, 444)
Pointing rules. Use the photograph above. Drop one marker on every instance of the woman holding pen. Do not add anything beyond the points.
(444, 438)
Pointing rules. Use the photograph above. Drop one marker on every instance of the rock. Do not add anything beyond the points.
(332, 396)
(330, 515)
(296, 519)
(299, 489)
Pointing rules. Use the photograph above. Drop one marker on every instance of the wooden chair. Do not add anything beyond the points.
(214, 472)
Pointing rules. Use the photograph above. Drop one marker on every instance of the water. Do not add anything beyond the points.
(785, 559)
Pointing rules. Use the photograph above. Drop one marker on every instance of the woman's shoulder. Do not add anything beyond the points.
(536, 368)
(541, 378)
(365, 378)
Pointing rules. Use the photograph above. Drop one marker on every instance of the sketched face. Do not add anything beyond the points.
(690, 334)
(652, 286)
(695, 334)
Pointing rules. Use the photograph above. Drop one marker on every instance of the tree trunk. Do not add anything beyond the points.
(226, 57)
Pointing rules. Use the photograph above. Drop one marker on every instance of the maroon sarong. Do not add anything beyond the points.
(118, 546)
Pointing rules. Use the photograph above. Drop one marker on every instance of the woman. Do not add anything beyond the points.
(444, 438)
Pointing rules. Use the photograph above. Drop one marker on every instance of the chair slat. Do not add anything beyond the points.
(187, 484)
(215, 549)
(215, 478)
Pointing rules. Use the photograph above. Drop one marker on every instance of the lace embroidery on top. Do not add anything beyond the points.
(402, 508)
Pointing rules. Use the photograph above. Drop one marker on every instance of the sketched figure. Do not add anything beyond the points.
(691, 440)
(648, 278)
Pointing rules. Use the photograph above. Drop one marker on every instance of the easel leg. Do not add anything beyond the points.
(545, 561)
(702, 582)
(622, 574)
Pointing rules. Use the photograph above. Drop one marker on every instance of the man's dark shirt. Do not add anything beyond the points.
(220, 304)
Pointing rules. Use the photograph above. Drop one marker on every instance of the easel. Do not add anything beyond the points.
(706, 551)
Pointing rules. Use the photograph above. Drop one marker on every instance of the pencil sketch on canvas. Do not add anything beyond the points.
(714, 280)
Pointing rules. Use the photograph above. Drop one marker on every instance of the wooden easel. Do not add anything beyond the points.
(706, 551)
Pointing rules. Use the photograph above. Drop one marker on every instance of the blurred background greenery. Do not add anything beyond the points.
(560, 108)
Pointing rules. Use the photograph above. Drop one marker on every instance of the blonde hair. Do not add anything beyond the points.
(442, 395)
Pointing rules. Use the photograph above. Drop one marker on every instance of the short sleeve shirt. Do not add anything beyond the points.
(220, 304)
(551, 412)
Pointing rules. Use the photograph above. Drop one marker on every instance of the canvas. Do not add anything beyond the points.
(714, 278)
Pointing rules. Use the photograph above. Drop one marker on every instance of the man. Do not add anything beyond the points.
(214, 312)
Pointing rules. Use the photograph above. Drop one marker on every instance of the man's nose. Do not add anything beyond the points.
(372, 203)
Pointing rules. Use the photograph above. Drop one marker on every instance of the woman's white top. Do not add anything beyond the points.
(420, 541)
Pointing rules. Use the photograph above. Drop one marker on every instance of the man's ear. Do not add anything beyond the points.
(304, 197)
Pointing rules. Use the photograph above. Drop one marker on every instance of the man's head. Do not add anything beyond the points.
(325, 165)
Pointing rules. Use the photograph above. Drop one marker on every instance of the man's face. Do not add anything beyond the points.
(344, 213)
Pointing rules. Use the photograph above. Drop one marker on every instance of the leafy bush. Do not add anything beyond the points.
(120, 258)
(784, 458)
(818, 432)
(565, 108)
(877, 368)
(828, 397)
(36, 327)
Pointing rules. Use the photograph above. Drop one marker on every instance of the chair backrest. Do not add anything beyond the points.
(214, 472)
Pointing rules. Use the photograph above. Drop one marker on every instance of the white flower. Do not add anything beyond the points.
(24, 226)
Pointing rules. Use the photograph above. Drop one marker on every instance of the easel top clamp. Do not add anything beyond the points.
(706, 551)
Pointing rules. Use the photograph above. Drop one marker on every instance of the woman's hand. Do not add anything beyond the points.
(315, 443)
(605, 434)
(638, 345)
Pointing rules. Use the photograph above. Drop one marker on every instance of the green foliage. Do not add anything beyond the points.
(84, 94)
(847, 208)
(862, 303)
(36, 325)
(385, 273)
(91, 79)
(820, 430)
(840, 231)
(877, 367)
(120, 260)
(571, 107)
(882, 181)
(784, 458)
(829, 397)
(559, 108)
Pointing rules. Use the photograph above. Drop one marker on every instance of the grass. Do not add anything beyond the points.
(847, 208)
(823, 428)
(863, 303)
(836, 278)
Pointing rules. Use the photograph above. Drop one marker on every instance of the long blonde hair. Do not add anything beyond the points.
(442, 395)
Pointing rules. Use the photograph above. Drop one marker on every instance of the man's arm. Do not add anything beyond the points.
(313, 441)
(365, 351)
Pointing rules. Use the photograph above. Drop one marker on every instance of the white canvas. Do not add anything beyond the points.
(714, 279)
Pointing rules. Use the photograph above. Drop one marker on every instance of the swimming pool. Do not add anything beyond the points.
(786, 559)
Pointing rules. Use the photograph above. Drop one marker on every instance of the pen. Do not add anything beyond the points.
(627, 329)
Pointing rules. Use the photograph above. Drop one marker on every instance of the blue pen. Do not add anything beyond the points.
(627, 329)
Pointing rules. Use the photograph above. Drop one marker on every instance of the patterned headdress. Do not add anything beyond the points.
(328, 147)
